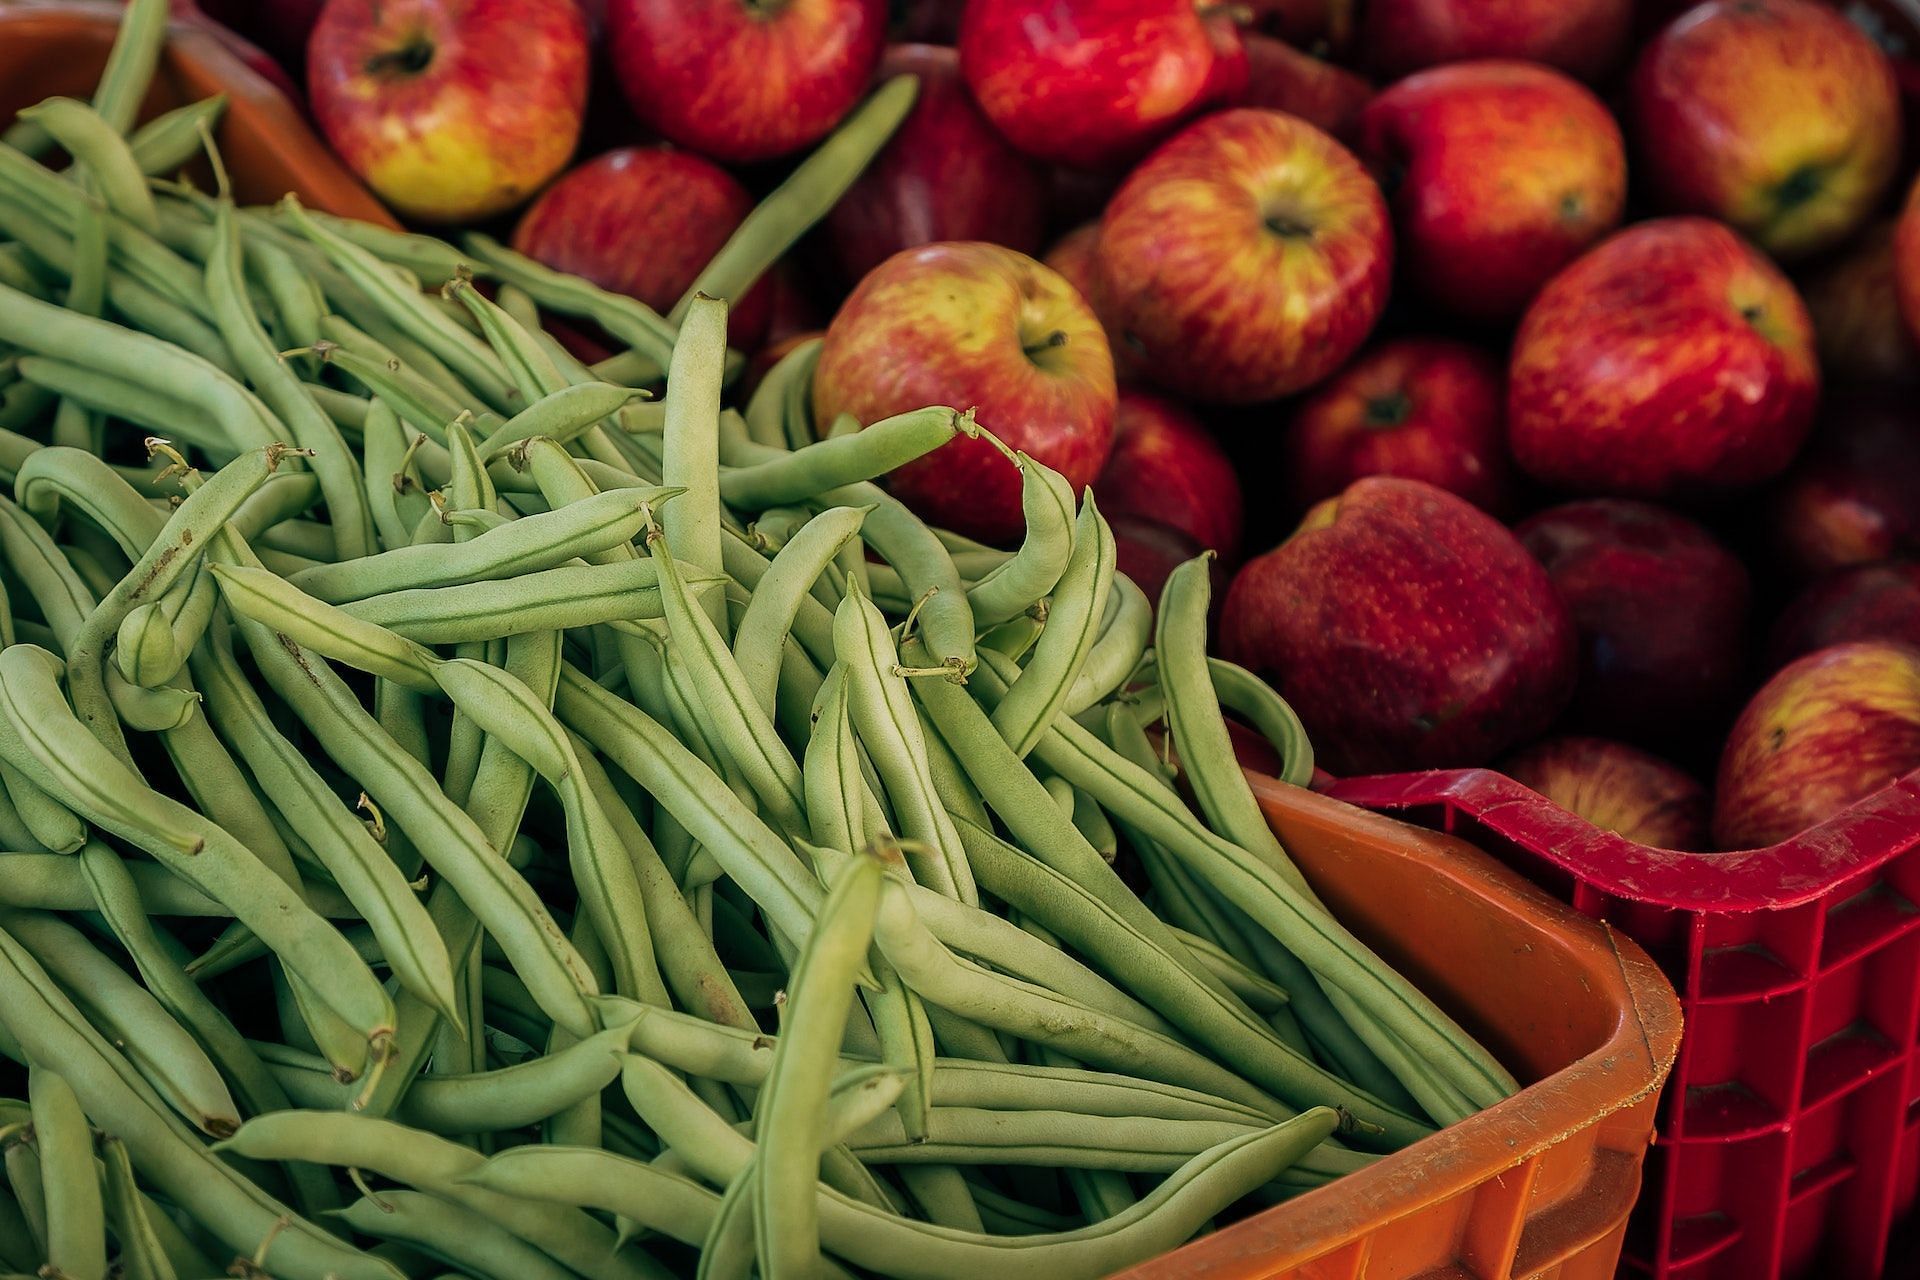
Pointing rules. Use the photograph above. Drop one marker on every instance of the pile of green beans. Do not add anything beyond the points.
(461, 816)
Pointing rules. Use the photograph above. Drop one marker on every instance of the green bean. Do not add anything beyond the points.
(531, 543)
(130, 65)
(1330, 1020)
(76, 1218)
(453, 844)
(765, 416)
(172, 1062)
(804, 473)
(435, 262)
(562, 415)
(23, 1175)
(424, 406)
(791, 1122)
(1035, 698)
(1260, 995)
(1117, 652)
(761, 862)
(896, 1247)
(241, 1215)
(45, 739)
(609, 885)
(438, 1166)
(885, 719)
(1009, 949)
(742, 728)
(1045, 1139)
(690, 458)
(551, 599)
(369, 878)
(51, 824)
(119, 398)
(101, 149)
(813, 188)
(333, 463)
(900, 537)
(1327, 948)
(17, 272)
(402, 305)
(1105, 906)
(1046, 503)
(142, 1256)
(173, 138)
(452, 1234)
(627, 319)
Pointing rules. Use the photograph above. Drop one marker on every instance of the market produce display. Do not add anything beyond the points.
(465, 813)
(677, 708)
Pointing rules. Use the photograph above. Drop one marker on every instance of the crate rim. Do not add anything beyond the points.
(1791, 873)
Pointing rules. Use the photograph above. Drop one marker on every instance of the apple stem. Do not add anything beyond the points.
(410, 59)
(1241, 15)
(1058, 338)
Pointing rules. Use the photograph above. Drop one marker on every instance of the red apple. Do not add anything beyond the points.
(975, 326)
(1671, 358)
(1661, 611)
(1906, 262)
(410, 94)
(1281, 78)
(1072, 256)
(946, 175)
(1245, 259)
(1617, 788)
(1855, 305)
(1583, 37)
(1407, 628)
(1167, 468)
(1867, 602)
(1855, 497)
(1419, 408)
(1500, 173)
(1091, 82)
(1778, 116)
(644, 221)
(1828, 729)
(743, 80)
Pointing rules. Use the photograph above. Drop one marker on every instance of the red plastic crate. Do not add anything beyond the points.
(1789, 1135)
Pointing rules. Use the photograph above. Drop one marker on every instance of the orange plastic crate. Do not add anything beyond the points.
(1538, 1186)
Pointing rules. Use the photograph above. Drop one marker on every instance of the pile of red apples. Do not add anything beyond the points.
(1543, 374)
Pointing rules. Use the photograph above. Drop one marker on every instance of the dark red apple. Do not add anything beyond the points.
(1670, 359)
(1245, 259)
(1906, 261)
(975, 326)
(411, 94)
(1855, 304)
(1419, 408)
(743, 80)
(1617, 788)
(1282, 78)
(926, 21)
(1867, 602)
(1829, 729)
(1499, 174)
(644, 221)
(1583, 37)
(946, 175)
(1855, 497)
(1661, 610)
(1091, 82)
(1168, 468)
(1148, 552)
(1779, 116)
(1408, 629)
